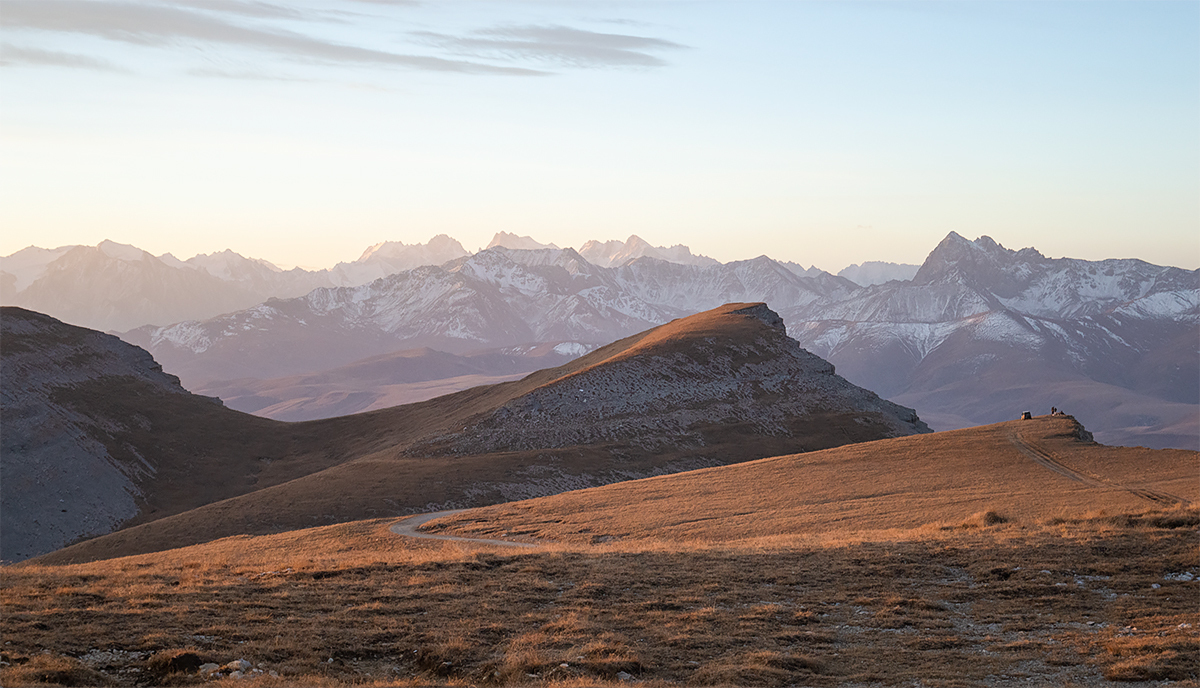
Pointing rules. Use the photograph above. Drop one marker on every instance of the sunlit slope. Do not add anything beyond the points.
(1022, 471)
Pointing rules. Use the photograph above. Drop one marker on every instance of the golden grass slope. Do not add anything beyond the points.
(1019, 470)
(1065, 603)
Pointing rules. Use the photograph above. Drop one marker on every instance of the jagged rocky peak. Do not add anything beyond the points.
(983, 262)
(440, 249)
(761, 312)
(229, 265)
(616, 253)
(513, 241)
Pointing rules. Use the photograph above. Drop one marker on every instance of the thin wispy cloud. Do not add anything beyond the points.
(166, 26)
(251, 8)
(244, 75)
(11, 55)
(557, 44)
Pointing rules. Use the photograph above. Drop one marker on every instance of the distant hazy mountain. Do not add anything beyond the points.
(616, 253)
(875, 272)
(115, 286)
(810, 271)
(390, 257)
(522, 243)
(982, 333)
(496, 298)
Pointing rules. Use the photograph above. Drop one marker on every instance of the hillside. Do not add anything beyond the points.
(723, 386)
(1023, 471)
(96, 435)
(856, 567)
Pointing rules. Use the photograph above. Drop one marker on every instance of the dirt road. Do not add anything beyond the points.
(408, 528)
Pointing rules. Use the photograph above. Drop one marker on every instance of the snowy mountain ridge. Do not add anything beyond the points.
(973, 311)
(113, 286)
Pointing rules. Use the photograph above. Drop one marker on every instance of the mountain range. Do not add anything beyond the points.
(980, 334)
(97, 437)
(496, 298)
(977, 334)
(115, 287)
(983, 332)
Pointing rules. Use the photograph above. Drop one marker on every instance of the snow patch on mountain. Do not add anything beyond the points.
(571, 349)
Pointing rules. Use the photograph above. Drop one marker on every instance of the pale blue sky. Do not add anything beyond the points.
(826, 133)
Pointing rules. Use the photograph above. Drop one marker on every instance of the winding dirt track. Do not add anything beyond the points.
(1047, 459)
(408, 528)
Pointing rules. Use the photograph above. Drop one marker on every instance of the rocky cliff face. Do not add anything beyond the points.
(60, 482)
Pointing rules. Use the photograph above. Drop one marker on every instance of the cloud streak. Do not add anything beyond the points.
(160, 26)
(557, 44)
(250, 8)
(12, 55)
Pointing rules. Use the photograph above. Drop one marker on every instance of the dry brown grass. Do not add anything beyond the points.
(1066, 600)
(977, 477)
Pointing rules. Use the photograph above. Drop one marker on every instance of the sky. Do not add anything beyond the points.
(825, 133)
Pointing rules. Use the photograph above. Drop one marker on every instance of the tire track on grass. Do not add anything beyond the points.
(1048, 460)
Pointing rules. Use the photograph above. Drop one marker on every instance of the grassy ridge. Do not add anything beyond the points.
(1018, 470)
